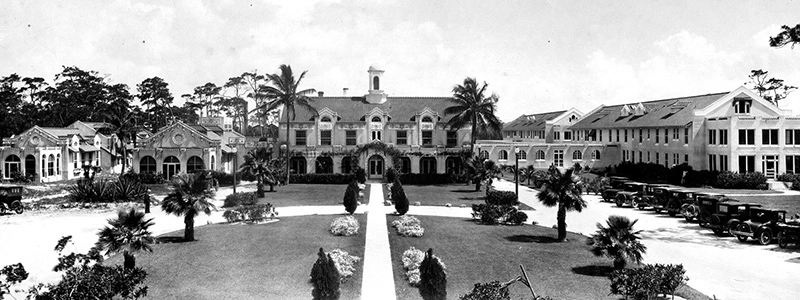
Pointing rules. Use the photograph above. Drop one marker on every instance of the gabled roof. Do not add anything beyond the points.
(61, 133)
(673, 112)
(353, 109)
(531, 122)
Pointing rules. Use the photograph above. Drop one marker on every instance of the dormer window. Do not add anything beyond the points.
(325, 119)
(742, 106)
(531, 118)
(427, 119)
(572, 118)
(376, 119)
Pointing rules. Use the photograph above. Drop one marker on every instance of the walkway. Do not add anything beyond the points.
(378, 279)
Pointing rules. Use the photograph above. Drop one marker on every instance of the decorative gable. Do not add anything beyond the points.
(639, 110)
(178, 135)
(625, 111)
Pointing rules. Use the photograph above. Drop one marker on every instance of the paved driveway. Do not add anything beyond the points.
(716, 266)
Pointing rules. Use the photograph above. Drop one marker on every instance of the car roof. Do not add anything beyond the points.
(712, 194)
(620, 177)
(740, 203)
(680, 190)
(636, 183)
(769, 209)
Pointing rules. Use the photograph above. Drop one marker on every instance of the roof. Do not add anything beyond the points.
(525, 123)
(88, 148)
(671, 112)
(353, 109)
(61, 132)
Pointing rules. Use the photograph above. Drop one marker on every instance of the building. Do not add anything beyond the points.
(60, 153)
(374, 131)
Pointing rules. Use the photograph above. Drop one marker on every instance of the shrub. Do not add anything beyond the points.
(648, 281)
(239, 199)
(730, 180)
(408, 226)
(325, 278)
(490, 214)
(351, 197)
(391, 175)
(501, 198)
(487, 291)
(252, 213)
(129, 190)
(428, 179)
(361, 175)
(88, 191)
(225, 179)
(783, 177)
(145, 178)
(432, 278)
(346, 226)
(406, 221)
(412, 258)
(24, 178)
(345, 263)
(399, 198)
(322, 178)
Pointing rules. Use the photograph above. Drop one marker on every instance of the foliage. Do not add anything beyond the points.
(432, 278)
(345, 263)
(24, 178)
(591, 184)
(88, 191)
(490, 214)
(562, 190)
(429, 179)
(487, 291)
(257, 163)
(408, 226)
(391, 175)
(250, 213)
(344, 226)
(330, 178)
(789, 36)
(129, 233)
(618, 241)
(481, 171)
(361, 175)
(399, 197)
(412, 258)
(501, 198)
(648, 281)
(145, 178)
(471, 107)
(786, 177)
(129, 190)
(238, 199)
(325, 278)
(11, 275)
(189, 197)
(730, 180)
(351, 197)
(771, 89)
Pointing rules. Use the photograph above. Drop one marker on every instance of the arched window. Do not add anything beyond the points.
(11, 165)
(539, 155)
(502, 155)
(522, 154)
(30, 164)
(213, 163)
(51, 165)
(347, 164)
(297, 165)
(376, 83)
(44, 166)
(405, 165)
(58, 163)
(171, 166)
(376, 119)
(453, 165)
(325, 119)
(596, 154)
(577, 155)
(427, 119)
(427, 165)
(324, 165)
(484, 154)
(194, 163)
(147, 165)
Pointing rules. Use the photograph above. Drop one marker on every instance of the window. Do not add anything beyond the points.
(596, 155)
(742, 106)
(350, 137)
(376, 135)
(747, 136)
(522, 154)
(792, 136)
(747, 163)
(666, 159)
(723, 162)
(567, 135)
(300, 137)
(427, 119)
(402, 137)
(147, 165)
(617, 135)
(325, 137)
(484, 154)
(712, 136)
(712, 162)
(325, 119)
(539, 155)
(769, 136)
(376, 83)
(793, 164)
(577, 155)
(51, 164)
(427, 165)
(377, 119)
(452, 138)
(502, 155)
(686, 158)
(648, 156)
(658, 159)
(405, 165)
(427, 137)
(723, 136)
(558, 158)
(666, 136)
(676, 134)
(601, 134)
(194, 163)
(556, 135)
(12, 165)
(658, 139)
(686, 135)
(640, 136)
(626, 135)
(648, 134)
(75, 160)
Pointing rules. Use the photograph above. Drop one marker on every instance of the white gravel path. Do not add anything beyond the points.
(378, 281)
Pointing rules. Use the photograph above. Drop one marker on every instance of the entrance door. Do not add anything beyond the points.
(375, 167)
(171, 167)
(769, 163)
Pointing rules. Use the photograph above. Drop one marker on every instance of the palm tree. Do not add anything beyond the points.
(189, 197)
(285, 93)
(472, 107)
(257, 162)
(617, 241)
(562, 190)
(482, 170)
(129, 232)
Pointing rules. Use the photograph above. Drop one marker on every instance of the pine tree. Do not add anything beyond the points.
(399, 197)
(351, 197)
(325, 278)
(361, 175)
(433, 279)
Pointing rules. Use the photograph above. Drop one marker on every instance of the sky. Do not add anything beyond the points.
(537, 56)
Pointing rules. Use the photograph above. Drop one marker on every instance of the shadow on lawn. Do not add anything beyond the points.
(523, 238)
(466, 191)
(170, 240)
(594, 270)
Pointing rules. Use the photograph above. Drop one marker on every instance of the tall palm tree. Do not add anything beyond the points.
(284, 92)
(472, 107)
(562, 189)
(258, 163)
(189, 197)
(129, 232)
(618, 241)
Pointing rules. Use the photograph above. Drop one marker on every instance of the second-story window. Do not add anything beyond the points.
(402, 137)
(567, 135)
(640, 136)
(769, 136)
(452, 138)
(793, 137)
(676, 134)
(747, 137)
(666, 136)
(742, 106)
(556, 135)
(350, 137)
(686, 135)
(300, 137)
(376, 135)
(427, 137)
(723, 137)
(712, 136)
(325, 137)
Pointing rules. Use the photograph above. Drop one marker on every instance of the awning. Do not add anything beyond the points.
(73, 149)
(88, 148)
(226, 149)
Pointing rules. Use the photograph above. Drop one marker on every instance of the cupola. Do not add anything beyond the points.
(375, 94)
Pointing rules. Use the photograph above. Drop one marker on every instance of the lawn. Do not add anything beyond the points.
(306, 194)
(479, 253)
(439, 195)
(789, 203)
(267, 261)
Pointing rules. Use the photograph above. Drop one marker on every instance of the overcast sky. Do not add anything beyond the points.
(536, 55)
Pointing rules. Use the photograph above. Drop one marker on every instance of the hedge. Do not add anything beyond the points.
(501, 198)
(322, 178)
(427, 179)
(684, 175)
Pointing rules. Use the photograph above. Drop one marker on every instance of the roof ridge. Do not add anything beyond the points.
(667, 99)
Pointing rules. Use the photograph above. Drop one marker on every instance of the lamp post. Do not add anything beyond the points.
(233, 142)
(285, 148)
(516, 172)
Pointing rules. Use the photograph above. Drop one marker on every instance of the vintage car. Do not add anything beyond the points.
(648, 196)
(630, 193)
(616, 184)
(789, 232)
(728, 215)
(690, 211)
(11, 198)
(707, 206)
(677, 199)
(661, 197)
(762, 226)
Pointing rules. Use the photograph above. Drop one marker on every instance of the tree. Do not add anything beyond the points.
(618, 241)
(129, 232)
(771, 89)
(284, 92)
(123, 120)
(235, 106)
(189, 197)
(351, 197)
(207, 95)
(11, 99)
(562, 189)
(325, 278)
(155, 95)
(432, 278)
(789, 36)
(472, 107)
(482, 171)
(257, 162)
(399, 196)
(78, 95)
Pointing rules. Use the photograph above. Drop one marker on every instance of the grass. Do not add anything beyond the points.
(479, 253)
(268, 261)
(439, 195)
(306, 194)
(791, 204)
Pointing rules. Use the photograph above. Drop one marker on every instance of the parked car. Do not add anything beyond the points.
(691, 210)
(677, 199)
(616, 184)
(788, 232)
(630, 193)
(762, 226)
(661, 197)
(707, 206)
(728, 216)
(648, 196)
(11, 198)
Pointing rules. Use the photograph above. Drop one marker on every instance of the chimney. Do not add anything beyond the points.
(321, 94)
(344, 91)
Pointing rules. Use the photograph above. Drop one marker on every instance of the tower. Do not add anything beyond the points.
(375, 94)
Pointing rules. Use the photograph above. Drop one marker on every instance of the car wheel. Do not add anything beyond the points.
(17, 207)
(619, 202)
(731, 227)
(743, 228)
(782, 240)
(671, 213)
(658, 210)
(765, 237)
(641, 206)
(717, 231)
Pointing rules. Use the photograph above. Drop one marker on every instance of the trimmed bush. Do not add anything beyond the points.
(361, 175)
(399, 198)
(489, 214)
(345, 263)
(344, 226)
(783, 177)
(145, 178)
(351, 197)
(501, 198)
(251, 213)
(240, 199)
(428, 179)
(648, 281)
(322, 178)
(325, 278)
(487, 291)
(412, 258)
(432, 278)
(391, 175)
(408, 226)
